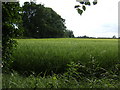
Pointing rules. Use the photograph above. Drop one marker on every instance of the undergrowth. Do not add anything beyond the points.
(77, 76)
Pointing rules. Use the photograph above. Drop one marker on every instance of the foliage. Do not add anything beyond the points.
(15, 80)
(42, 22)
(90, 70)
(11, 27)
(83, 3)
(68, 34)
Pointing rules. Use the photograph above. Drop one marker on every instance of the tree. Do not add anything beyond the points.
(11, 27)
(42, 22)
(28, 12)
(114, 36)
(69, 34)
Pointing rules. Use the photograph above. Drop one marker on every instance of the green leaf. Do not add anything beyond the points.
(83, 7)
(80, 11)
(76, 6)
(87, 3)
(81, 2)
(94, 3)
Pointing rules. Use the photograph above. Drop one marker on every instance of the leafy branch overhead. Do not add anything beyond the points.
(83, 3)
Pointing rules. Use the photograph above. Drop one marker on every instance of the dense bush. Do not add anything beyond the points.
(91, 70)
(11, 27)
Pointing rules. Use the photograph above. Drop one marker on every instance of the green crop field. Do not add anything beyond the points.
(48, 56)
(45, 55)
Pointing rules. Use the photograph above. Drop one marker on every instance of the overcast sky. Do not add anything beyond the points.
(100, 20)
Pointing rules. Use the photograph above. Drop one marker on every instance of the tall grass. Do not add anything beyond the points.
(53, 55)
(16, 81)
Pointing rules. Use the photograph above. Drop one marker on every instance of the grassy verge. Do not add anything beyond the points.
(14, 80)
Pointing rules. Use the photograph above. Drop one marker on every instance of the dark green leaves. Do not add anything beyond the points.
(83, 7)
(87, 3)
(43, 22)
(12, 18)
(84, 3)
(80, 11)
(76, 6)
(94, 2)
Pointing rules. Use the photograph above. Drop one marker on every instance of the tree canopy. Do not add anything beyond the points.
(42, 22)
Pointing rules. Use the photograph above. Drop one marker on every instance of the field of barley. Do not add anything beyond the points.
(53, 55)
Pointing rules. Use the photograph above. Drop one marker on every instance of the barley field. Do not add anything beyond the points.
(53, 55)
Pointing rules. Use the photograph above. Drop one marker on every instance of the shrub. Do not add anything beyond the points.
(11, 27)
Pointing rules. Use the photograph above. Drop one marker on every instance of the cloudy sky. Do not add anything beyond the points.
(100, 20)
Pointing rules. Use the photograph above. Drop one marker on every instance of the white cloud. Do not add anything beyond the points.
(98, 20)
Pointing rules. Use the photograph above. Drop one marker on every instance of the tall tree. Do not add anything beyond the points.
(42, 22)
(29, 10)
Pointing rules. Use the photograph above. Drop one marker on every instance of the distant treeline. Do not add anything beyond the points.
(85, 37)
(43, 22)
(97, 37)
